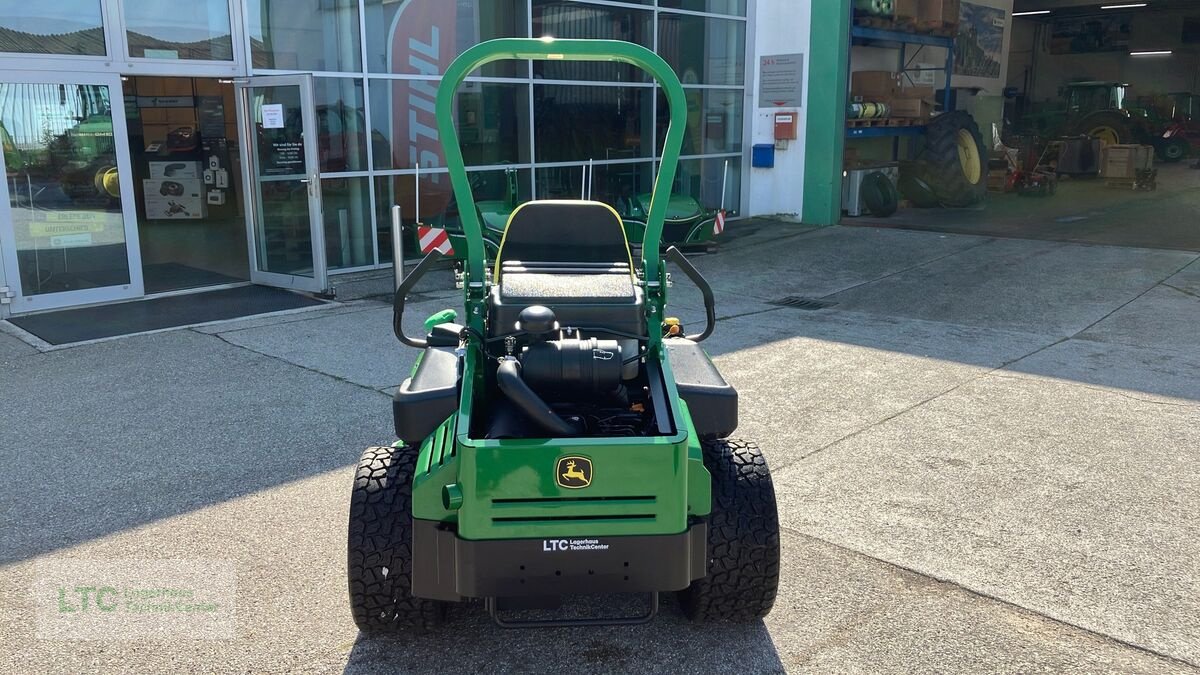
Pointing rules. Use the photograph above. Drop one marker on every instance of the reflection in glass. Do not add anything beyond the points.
(714, 123)
(283, 235)
(493, 123)
(314, 35)
(496, 194)
(701, 180)
(703, 50)
(734, 7)
(58, 27)
(341, 124)
(284, 242)
(562, 19)
(578, 123)
(64, 191)
(615, 184)
(422, 37)
(168, 29)
(346, 203)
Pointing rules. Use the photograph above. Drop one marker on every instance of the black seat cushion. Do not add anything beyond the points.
(554, 231)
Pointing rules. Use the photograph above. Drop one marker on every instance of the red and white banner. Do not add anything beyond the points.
(719, 223)
(434, 239)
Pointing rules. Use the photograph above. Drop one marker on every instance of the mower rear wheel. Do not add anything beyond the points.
(379, 555)
(743, 537)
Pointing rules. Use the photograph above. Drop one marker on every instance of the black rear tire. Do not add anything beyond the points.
(915, 187)
(1174, 150)
(379, 551)
(956, 180)
(743, 538)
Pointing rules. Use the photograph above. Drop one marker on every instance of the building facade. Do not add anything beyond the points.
(154, 147)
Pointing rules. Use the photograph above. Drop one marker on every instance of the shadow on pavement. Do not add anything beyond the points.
(470, 642)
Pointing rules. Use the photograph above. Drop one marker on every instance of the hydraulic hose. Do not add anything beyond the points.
(508, 376)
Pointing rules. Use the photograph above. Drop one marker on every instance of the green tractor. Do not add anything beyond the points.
(1096, 109)
(566, 438)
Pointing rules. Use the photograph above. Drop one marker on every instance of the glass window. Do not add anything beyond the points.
(315, 35)
(493, 123)
(496, 194)
(560, 19)
(615, 184)
(346, 205)
(714, 122)
(341, 124)
(422, 37)
(701, 179)
(703, 50)
(59, 27)
(64, 191)
(578, 122)
(734, 7)
(168, 29)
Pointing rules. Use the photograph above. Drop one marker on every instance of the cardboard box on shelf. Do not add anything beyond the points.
(1122, 162)
(917, 108)
(938, 13)
(874, 85)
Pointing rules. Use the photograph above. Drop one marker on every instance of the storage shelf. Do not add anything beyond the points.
(884, 132)
(882, 35)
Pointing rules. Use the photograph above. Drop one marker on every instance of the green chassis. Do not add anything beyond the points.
(477, 518)
(669, 468)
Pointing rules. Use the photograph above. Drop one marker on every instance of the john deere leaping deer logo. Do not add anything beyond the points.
(574, 472)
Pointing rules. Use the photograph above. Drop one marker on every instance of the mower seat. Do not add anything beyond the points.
(570, 256)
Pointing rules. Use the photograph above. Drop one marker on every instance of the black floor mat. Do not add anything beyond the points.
(90, 323)
(160, 277)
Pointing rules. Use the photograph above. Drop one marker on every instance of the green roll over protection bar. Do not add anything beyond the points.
(550, 49)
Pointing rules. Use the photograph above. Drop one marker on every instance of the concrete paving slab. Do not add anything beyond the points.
(837, 611)
(1073, 502)
(807, 379)
(119, 434)
(1136, 371)
(358, 347)
(12, 347)
(1020, 285)
(1188, 279)
(331, 309)
(1164, 318)
(824, 261)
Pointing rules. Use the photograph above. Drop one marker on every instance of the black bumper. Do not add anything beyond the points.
(446, 567)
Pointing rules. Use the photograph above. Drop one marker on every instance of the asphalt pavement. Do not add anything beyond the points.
(985, 454)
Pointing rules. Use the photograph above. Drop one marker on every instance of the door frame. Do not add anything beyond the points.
(319, 281)
(22, 304)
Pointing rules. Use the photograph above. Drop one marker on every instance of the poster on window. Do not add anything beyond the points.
(1092, 33)
(979, 47)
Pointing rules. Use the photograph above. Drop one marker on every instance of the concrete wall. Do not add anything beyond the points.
(1034, 70)
(781, 27)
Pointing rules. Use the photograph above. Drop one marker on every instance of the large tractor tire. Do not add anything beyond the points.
(914, 185)
(743, 538)
(379, 551)
(956, 159)
(1110, 127)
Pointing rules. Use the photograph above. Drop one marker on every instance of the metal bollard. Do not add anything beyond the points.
(397, 245)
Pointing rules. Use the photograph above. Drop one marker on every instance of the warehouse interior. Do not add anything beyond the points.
(1088, 114)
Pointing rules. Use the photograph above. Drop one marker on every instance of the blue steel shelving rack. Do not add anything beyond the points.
(870, 37)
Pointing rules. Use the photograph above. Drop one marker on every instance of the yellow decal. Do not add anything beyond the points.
(574, 472)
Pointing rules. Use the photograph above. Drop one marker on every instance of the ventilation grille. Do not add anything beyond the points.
(801, 302)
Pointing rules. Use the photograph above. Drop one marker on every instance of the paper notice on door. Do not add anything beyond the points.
(272, 115)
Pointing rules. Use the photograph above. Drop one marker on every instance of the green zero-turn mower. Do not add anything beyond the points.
(565, 438)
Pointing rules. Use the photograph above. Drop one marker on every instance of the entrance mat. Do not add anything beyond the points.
(91, 323)
(160, 277)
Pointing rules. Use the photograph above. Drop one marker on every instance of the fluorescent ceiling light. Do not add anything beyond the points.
(1128, 6)
(1040, 11)
(1160, 53)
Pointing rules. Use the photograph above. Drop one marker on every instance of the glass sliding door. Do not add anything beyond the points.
(283, 195)
(69, 236)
